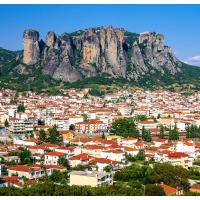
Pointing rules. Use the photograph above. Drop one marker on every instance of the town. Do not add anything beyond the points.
(84, 139)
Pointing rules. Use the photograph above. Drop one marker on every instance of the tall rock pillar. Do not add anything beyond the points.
(31, 47)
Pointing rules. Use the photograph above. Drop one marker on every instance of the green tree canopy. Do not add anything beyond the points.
(175, 176)
(63, 161)
(20, 108)
(173, 134)
(161, 135)
(42, 135)
(154, 190)
(25, 156)
(54, 136)
(125, 127)
(140, 155)
(6, 123)
(146, 135)
(72, 127)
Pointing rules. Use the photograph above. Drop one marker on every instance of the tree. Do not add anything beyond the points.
(175, 176)
(125, 127)
(72, 127)
(85, 117)
(58, 177)
(96, 92)
(173, 134)
(107, 168)
(25, 156)
(161, 135)
(146, 135)
(129, 157)
(20, 108)
(42, 135)
(41, 122)
(31, 135)
(103, 136)
(154, 190)
(141, 117)
(193, 131)
(6, 123)
(13, 101)
(140, 155)
(54, 136)
(63, 161)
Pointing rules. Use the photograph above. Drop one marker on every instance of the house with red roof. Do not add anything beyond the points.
(186, 147)
(131, 151)
(91, 126)
(180, 158)
(195, 188)
(169, 191)
(80, 159)
(68, 151)
(115, 155)
(140, 145)
(32, 172)
(101, 163)
(147, 124)
(25, 171)
(94, 150)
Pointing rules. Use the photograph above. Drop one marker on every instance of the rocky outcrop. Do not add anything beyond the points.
(90, 52)
(31, 47)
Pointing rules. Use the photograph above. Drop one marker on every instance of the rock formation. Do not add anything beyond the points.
(94, 51)
(31, 47)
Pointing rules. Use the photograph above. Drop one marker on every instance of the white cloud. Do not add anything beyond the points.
(195, 59)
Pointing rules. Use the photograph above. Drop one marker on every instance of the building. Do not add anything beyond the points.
(148, 124)
(91, 126)
(51, 158)
(90, 178)
(195, 188)
(169, 191)
(27, 171)
(20, 126)
(32, 172)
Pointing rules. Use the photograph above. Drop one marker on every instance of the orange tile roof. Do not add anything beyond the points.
(177, 155)
(196, 186)
(12, 179)
(168, 189)
(83, 156)
(92, 147)
(23, 168)
(54, 153)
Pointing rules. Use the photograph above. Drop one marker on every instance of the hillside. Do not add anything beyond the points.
(101, 56)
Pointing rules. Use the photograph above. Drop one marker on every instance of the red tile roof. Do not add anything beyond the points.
(67, 148)
(23, 168)
(54, 153)
(83, 156)
(12, 179)
(168, 189)
(92, 147)
(176, 155)
(196, 186)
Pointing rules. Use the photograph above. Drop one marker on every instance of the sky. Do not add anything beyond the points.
(178, 23)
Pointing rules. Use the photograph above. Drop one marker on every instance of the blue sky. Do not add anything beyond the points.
(178, 23)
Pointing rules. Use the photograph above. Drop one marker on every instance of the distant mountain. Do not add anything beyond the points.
(92, 55)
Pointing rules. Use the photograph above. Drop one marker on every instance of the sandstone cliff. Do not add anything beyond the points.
(89, 52)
